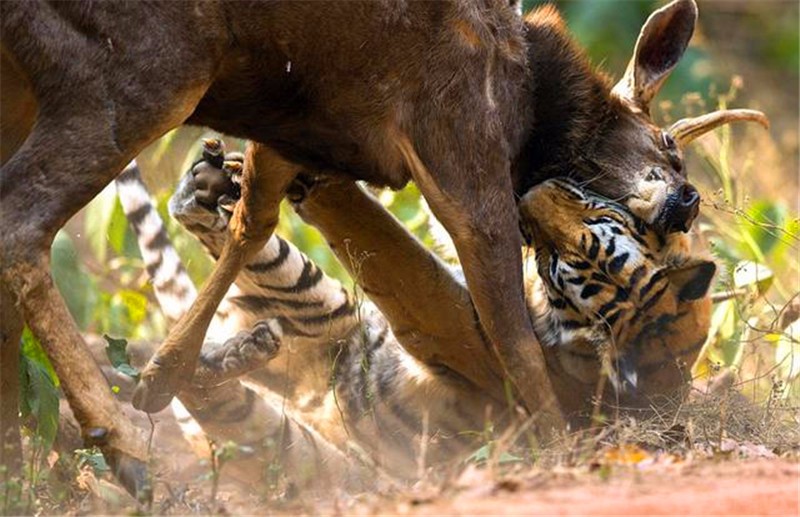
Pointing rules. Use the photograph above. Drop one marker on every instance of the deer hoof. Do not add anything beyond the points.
(157, 385)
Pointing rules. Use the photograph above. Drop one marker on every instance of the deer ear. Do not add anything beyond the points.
(662, 41)
(691, 281)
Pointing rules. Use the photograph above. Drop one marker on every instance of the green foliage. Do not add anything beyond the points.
(93, 459)
(484, 453)
(757, 240)
(38, 390)
(117, 352)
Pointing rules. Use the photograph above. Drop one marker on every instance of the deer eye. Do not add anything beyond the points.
(655, 174)
(667, 141)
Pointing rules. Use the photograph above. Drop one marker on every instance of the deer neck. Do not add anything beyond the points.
(567, 103)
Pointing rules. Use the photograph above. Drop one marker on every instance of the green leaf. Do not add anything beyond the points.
(117, 353)
(32, 349)
(506, 457)
(766, 214)
(117, 228)
(93, 458)
(39, 398)
(481, 455)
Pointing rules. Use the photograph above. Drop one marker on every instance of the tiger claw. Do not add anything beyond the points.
(214, 151)
(624, 377)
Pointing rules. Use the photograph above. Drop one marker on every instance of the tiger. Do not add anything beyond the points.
(358, 383)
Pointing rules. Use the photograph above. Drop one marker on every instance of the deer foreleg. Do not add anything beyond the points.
(472, 196)
(430, 312)
(266, 177)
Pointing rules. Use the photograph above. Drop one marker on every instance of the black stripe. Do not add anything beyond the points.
(590, 290)
(618, 262)
(620, 296)
(657, 276)
(593, 221)
(137, 216)
(345, 309)
(253, 302)
(152, 268)
(594, 249)
(612, 318)
(263, 267)
(130, 174)
(571, 324)
(650, 368)
(310, 277)
(653, 299)
(612, 247)
(290, 329)
(582, 264)
(159, 241)
(576, 280)
(553, 264)
(641, 227)
(637, 275)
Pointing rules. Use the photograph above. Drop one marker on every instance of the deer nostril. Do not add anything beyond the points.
(680, 210)
(690, 197)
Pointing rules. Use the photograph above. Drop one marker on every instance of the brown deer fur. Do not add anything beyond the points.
(463, 97)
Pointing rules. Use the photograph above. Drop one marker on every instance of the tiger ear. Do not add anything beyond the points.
(692, 281)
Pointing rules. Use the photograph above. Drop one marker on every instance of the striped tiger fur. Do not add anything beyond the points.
(612, 289)
(340, 370)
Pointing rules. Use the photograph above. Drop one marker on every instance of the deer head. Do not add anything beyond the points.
(610, 143)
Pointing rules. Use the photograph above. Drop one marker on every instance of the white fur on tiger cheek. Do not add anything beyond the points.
(649, 199)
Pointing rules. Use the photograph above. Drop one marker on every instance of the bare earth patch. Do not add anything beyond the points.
(730, 487)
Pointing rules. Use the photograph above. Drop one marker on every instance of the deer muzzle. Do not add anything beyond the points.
(680, 210)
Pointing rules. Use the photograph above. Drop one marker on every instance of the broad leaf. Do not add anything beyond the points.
(117, 352)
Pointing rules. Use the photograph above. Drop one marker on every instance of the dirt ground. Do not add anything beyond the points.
(744, 480)
(756, 487)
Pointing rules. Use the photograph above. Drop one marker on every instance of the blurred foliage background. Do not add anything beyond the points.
(744, 54)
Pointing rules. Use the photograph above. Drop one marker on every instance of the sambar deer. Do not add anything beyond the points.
(466, 98)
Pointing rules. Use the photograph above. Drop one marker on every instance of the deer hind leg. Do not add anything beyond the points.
(42, 186)
(266, 177)
(11, 325)
(67, 159)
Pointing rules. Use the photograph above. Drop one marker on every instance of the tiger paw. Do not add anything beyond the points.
(243, 353)
(217, 176)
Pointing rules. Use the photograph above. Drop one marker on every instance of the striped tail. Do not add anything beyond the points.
(173, 288)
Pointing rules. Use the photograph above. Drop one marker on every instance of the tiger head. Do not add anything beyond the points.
(619, 296)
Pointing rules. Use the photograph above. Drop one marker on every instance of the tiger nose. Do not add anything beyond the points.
(682, 208)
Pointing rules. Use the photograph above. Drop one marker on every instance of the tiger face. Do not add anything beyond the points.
(617, 293)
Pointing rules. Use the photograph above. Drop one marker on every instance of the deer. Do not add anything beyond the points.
(468, 99)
